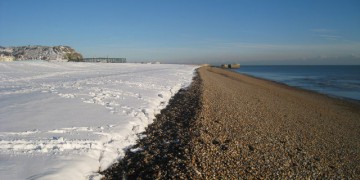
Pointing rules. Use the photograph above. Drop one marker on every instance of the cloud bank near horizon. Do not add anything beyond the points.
(247, 53)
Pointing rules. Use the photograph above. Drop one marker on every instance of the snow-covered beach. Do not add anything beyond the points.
(71, 120)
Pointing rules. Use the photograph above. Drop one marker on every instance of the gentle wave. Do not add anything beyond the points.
(340, 81)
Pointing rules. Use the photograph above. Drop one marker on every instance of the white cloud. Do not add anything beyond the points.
(322, 30)
(330, 36)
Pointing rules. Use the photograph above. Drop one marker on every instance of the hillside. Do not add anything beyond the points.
(48, 53)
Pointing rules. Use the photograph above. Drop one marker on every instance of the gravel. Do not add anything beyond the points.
(232, 126)
(164, 152)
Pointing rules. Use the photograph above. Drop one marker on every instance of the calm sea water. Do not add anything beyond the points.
(340, 81)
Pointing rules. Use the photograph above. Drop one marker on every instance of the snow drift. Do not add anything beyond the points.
(71, 120)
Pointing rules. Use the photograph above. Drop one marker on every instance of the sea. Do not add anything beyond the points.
(337, 81)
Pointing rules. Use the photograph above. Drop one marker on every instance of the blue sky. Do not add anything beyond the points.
(191, 31)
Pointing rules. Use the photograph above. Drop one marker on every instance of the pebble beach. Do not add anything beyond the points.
(231, 126)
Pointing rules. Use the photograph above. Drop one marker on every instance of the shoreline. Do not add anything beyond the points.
(247, 127)
(355, 101)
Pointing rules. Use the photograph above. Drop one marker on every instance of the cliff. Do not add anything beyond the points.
(48, 53)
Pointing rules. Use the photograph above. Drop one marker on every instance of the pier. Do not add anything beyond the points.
(105, 60)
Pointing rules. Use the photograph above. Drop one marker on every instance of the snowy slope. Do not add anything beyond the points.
(70, 120)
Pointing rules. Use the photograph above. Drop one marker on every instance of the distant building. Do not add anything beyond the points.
(105, 60)
(231, 66)
(5, 58)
